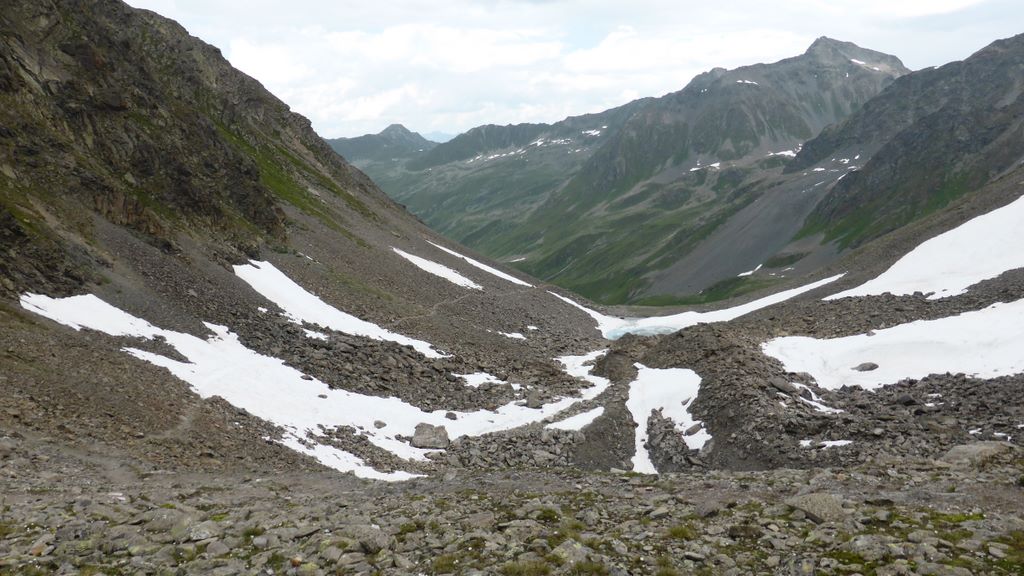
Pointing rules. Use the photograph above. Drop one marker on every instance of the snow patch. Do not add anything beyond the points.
(749, 272)
(301, 306)
(946, 265)
(484, 267)
(824, 444)
(476, 379)
(439, 270)
(835, 443)
(815, 401)
(672, 391)
(865, 64)
(983, 343)
(579, 421)
(613, 327)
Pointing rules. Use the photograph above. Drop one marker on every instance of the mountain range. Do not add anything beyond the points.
(609, 204)
(224, 349)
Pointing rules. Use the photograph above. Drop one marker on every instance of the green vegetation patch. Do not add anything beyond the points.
(282, 184)
(722, 290)
(682, 532)
(534, 568)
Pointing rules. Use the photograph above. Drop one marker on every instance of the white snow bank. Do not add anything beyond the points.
(946, 265)
(485, 267)
(513, 335)
(613, 327)
(671, 390)
(302, 306)
(985, 343)
(579, 421)
(439, 270)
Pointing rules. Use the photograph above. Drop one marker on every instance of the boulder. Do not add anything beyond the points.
(429, 436)
(819, 507)
(977, 453)
(782, 385)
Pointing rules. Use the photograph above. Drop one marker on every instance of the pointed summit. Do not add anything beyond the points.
(392, 142)
(396, 130)
(838, 52)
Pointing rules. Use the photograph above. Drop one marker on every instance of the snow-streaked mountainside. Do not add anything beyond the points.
(610, 204)
(983, 343)
(224, 350)
(305, 407)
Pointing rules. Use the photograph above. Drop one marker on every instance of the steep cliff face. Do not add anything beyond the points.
(119, 112)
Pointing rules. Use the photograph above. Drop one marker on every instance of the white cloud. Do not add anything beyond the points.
(354, 68)
(273, 64)
(903, 9)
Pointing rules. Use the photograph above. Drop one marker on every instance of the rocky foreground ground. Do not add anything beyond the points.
(76, 510)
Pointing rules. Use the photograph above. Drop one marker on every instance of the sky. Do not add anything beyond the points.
(354, 67)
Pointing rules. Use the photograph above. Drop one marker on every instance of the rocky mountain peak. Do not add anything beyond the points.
(837, 52)
(397, 130)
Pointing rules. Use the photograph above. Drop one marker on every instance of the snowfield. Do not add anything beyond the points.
(985, 343)
(671, 391)
(613, 327)
(946, 265)
(304, 407)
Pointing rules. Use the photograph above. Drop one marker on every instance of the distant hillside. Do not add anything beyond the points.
(394, 142)
(932, 136)
(601, 203)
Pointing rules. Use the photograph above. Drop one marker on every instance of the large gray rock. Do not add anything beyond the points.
(977, 453)
(819, 507)
(371, 539)
(429, 436)
(782, 385)
(571, 552)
